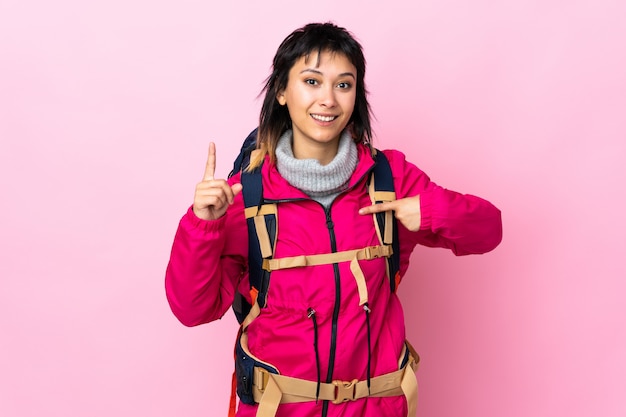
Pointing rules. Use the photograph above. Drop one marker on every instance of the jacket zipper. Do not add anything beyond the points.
(333, 246)
(333, 336)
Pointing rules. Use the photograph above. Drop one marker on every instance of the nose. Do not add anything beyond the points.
(327, 98)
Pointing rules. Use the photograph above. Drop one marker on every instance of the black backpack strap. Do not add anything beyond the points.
(243, 159)
(384, 190)
(261, 222)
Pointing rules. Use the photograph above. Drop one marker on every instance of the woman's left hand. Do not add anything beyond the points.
(407, 211)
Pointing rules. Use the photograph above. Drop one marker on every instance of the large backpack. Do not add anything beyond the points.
(261, 220)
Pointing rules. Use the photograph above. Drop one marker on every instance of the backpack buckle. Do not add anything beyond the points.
(261, 378)
(344, 391)
(372, 252)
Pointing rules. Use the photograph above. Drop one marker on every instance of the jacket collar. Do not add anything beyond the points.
(277, 188)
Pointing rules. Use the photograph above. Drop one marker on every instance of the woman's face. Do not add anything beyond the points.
(319, 96)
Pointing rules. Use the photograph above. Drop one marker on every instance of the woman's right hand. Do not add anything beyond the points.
(213, 196)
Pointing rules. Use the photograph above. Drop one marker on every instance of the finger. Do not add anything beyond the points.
(209, 171)
(222, 188)
(236, 189)
(218, 188)
(211, 192)
(378, 208)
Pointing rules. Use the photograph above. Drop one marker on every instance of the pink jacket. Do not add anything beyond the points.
(209, 260)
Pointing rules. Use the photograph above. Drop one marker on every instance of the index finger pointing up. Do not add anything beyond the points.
(209, 171)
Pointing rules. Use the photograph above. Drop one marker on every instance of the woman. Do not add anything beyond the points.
(333, 338)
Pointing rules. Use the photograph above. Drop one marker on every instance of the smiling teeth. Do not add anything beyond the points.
(324, 118)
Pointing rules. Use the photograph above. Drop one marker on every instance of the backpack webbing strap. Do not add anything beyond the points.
(368, 253)
(383, 197)
(354, 256)
(258, 214)
(255, 310)
(260, 211)
(261, 219)
(270, 389)
(263, 236)
(381, 190)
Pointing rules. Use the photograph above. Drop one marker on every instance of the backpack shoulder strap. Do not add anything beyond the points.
(261, 221)
(243, 159)
(381, 189)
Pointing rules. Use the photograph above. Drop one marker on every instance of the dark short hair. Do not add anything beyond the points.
(314, 37)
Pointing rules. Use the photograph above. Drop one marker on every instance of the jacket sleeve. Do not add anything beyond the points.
(463, 223)
(207, 262)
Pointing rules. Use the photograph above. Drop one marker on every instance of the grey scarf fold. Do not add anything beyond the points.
(321, 182)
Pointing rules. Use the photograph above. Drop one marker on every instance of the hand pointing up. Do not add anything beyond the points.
(212, 196)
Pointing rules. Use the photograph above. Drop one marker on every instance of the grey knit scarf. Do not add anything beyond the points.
(321, 182)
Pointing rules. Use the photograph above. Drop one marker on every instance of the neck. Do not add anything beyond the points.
(324, 153)
(321, 182)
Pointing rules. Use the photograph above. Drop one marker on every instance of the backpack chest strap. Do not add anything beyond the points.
(353, 256)
(368, 253)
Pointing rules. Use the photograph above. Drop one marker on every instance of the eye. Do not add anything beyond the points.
(344, 85)
(311, 81)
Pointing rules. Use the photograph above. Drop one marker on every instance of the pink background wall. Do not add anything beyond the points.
(106, 110)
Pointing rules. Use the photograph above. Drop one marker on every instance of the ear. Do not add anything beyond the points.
(280, 97)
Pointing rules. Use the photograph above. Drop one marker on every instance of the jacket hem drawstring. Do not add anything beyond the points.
(311, 315)
(367, 310)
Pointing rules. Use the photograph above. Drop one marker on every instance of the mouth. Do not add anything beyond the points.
(321, 118)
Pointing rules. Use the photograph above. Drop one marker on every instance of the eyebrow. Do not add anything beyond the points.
(343, 74)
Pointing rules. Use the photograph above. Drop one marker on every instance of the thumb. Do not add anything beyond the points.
(236, 188)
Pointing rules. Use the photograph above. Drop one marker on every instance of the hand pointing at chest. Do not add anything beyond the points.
(407, 211)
